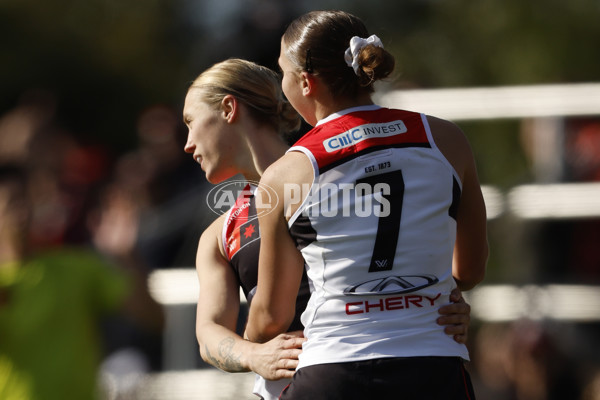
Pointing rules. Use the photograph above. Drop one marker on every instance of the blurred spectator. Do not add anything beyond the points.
(67, 172)
(133, 336)
(582, 154)
(592, 389)
(566, 250)
(490, 359)
(169, 189)
(51, 302)
(33, 112)
(522, 360)
(582, 149)
(65, 176)
(79, 220)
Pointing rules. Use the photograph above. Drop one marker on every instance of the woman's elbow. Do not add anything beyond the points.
(468, 282)
(201, 346)
(267, 325)
(203, 354)
(274, 328)
(468, 275)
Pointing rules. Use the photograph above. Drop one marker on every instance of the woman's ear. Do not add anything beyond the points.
(229, 107)
(307, 82)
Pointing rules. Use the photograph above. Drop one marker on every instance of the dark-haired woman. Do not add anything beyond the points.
(385, 209)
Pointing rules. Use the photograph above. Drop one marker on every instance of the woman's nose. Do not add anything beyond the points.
(189, 146)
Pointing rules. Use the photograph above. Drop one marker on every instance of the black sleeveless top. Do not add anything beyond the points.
(241, 242)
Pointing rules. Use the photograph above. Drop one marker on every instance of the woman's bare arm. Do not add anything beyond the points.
(217, 314)
(471, 248)
(281, 263)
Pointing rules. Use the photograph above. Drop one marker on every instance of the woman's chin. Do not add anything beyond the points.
(216, 178)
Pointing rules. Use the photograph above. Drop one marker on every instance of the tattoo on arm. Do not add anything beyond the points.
(227, 361)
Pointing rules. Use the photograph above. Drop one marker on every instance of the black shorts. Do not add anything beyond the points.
(412, 378)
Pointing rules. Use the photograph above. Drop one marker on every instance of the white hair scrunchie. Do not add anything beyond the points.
(356, 45)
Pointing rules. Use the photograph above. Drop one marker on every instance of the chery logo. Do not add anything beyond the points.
(392, 285)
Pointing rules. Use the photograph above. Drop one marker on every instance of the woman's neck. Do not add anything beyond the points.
(330, 106)
(265, 147)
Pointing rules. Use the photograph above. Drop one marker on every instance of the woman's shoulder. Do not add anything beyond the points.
(452, 142)
(212, 235)
(294, 166)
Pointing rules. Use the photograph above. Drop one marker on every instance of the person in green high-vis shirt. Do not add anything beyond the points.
(50, 306)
